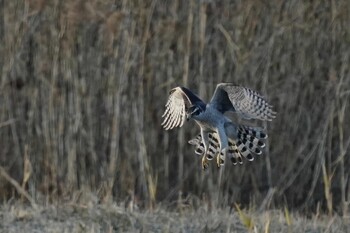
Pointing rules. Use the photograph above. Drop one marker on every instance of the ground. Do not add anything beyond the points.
(111, 217)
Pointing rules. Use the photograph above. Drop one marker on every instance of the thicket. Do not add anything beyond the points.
(84, 83)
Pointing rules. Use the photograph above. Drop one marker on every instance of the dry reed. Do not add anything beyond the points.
(84, 83)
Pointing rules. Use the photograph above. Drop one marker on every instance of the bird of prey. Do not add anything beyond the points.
(219, 136)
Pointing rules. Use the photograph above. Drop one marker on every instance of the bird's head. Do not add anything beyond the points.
(194, 110)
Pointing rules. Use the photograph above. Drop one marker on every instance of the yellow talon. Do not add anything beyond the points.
(205, 163)
(219, 160)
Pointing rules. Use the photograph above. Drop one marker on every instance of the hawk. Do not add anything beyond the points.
(219, 136)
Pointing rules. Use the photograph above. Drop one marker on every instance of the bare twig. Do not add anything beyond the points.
(17, 186)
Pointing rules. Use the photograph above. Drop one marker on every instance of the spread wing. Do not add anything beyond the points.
(248, 103)
(180, 99)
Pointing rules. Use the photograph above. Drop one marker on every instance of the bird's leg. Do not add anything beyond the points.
(205, 140)
(205, 162)
(220, 159)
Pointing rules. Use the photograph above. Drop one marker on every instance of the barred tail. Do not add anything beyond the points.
(244, 142)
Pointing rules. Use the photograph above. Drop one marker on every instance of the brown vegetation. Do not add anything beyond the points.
(113, 218)
(84, 83)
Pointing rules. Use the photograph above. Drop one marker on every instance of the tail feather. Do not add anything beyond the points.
(251, 138)
(252, 131)
(248, 141)
(234, 154)
(244, 151)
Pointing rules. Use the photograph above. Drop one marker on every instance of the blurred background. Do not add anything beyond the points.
(84, 84)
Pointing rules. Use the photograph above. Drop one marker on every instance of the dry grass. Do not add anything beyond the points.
(116, 218)
(83, 86)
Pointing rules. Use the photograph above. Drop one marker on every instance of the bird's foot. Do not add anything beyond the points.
(205, 162)
(220, 159)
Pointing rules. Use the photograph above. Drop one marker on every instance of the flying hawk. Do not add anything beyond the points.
(219, 136)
